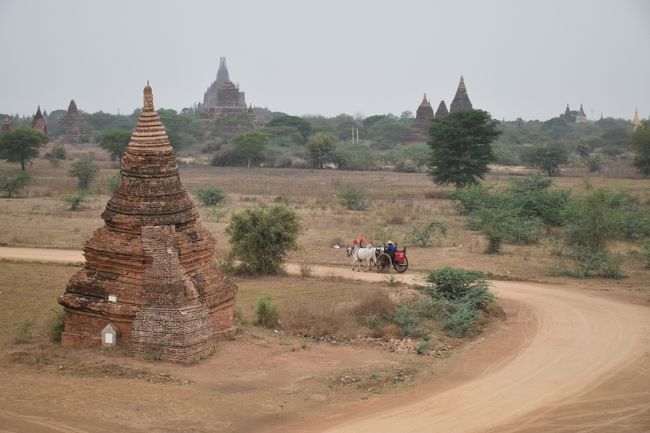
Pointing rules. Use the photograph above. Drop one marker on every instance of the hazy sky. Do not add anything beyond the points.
(519, 58)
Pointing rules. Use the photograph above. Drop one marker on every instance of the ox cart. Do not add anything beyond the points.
(397, 260)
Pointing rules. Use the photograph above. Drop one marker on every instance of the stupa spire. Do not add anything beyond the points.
(442, 110)
(461, 100)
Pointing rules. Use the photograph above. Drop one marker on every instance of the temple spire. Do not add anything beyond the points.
(442, 110)
(148, 98)
(461, 100)
(636, 121)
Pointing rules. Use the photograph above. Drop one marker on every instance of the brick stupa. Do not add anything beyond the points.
(149, 270)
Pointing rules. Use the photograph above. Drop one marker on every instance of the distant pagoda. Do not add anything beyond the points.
(636, 122)
(149, 280)
(6, 126)
(223, 96)
(461, 100)
(38, 122)
(442, 110)
(423, 116)
(577, 116)
(72, 123)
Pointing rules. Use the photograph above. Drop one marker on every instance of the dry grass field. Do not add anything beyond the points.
(396, 202)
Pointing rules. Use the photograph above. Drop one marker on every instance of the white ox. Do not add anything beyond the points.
(365, 255)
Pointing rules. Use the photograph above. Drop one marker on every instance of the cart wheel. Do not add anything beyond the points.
(383, 263)
(403, 267)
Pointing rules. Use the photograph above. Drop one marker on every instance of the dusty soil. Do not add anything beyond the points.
(564, 360)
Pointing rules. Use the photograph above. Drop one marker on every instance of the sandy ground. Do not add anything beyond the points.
(566, 361)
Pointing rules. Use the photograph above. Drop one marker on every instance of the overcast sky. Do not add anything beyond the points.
(519, 58)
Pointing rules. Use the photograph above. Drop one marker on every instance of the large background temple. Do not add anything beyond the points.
(424, 114)
(223, 95)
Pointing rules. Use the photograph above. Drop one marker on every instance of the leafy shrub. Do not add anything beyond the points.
(57, 154)
(24, 331)
(546, 157)
(262, 237)
(422, 235)
(57, 326)
(352, 199)
(612, 268)
(593, 220)
(645, 253)
(355, 157)
(372, 321)
(424, 346)
(408, 321)
(85, 171)
(76, 201)
(454, 285)
(471, 198)
(112, 182)
(305, 270)
(534, 196)
(463, 294)
(210, 195)
(594, 163)
(266, 312)
(13, 185)
(461, 320)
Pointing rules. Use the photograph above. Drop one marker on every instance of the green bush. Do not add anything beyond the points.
(262, 237)
(210, 195)
(75, 201)
(408, 321)
(112, 182)
(535, 199)
(461, 320)
(424, 346)
(593, 221)
(57, 326)
(57, 154)
(471, 198)
(458, 285)
(85, 171)
(352, 199)
(24, 331)
(266, 312)
(645, 253)
(462, 295)
(13, 185)
(422, 235)
(594, 163)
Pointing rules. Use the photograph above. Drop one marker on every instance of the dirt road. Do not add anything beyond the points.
(584, 367)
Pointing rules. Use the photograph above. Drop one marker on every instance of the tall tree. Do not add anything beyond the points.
(299, 123)
(21, 145)
(546, 157)
(115, 142)
(319, 149)
(461, 144)
(85, 171)
(641, 146)
(249, 147)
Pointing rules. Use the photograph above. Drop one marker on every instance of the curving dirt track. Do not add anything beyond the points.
(583, 366)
